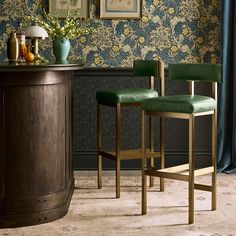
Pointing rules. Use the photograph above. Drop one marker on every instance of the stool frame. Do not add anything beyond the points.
(185, 172)
(118, 155)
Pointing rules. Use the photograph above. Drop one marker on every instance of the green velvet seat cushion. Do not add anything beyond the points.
(180, 103)
(126, 95)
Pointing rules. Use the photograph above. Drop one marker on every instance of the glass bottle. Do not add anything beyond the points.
(20, 34)
(12, 48)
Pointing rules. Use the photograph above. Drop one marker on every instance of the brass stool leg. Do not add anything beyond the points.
(151, 181)
(99, 144)
(162, 150)
(117, 150)
(144, 179)
(213, 202)
(191, 167)
(117, 178)
(144, 189)
(151, 148)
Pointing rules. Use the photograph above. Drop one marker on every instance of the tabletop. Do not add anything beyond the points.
(45, 66)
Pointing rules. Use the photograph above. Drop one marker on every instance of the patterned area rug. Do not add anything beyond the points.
(96, 211)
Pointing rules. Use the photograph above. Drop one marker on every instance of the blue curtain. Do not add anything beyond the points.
(227, 91)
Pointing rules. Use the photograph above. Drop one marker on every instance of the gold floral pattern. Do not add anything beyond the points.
(174, 31)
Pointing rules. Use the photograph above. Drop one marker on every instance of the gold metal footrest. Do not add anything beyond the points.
(203, 187)
(168, 175)
(180, 172)
(130, 154)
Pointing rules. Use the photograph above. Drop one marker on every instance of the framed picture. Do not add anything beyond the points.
(120, 9)
(61, 7)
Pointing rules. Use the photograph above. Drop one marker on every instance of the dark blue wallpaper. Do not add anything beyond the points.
(172, 30)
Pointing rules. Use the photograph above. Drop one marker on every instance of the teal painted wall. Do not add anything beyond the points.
(173, 30)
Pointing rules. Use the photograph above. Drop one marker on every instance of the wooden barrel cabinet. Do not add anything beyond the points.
(36, 172)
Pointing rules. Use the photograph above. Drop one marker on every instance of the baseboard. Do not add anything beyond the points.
(107, 173)
(85, 160)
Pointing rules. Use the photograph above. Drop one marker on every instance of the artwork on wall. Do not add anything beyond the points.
(120, 9)
(61, 7)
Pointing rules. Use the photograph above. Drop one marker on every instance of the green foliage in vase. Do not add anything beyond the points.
(70, 27)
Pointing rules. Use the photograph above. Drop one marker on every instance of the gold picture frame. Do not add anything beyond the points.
(60, 7)
(120, 9)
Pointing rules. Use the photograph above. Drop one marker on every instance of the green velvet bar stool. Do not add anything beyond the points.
(118, 98)
(185, 107)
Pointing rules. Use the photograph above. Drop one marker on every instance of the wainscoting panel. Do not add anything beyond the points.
(85, 85)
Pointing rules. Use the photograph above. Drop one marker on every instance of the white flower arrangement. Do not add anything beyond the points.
(69, 28)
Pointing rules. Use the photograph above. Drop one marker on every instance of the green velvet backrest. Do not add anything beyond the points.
(195, 72)
(145, 68)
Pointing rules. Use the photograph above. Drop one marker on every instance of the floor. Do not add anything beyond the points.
(95, 212)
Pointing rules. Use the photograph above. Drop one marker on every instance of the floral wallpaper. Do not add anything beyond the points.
(172, 30)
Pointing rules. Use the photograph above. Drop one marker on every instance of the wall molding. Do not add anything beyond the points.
(107, 71)
(104, 71)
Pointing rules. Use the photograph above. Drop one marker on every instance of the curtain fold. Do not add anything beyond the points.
(227, 91)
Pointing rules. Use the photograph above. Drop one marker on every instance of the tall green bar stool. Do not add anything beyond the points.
(118, 98)
(187, 107)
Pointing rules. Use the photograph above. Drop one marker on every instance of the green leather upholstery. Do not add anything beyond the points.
(129, 95)
(180, 103)
(195, 72)
(145, 68)
(186, 103)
